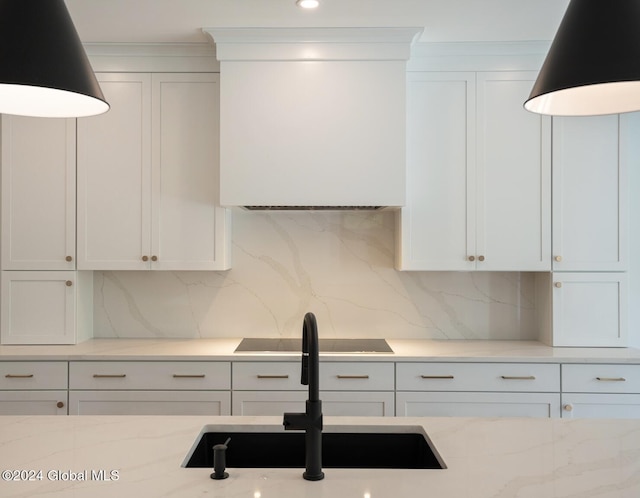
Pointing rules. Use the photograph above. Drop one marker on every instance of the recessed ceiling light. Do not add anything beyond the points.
(308, 4)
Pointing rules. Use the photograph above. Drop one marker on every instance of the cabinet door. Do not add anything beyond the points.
(589, 193)
(513, 176)
(38, 307)
(600, 405)
(188, 225)
(149, 403)
(38, 193)
(440, 404)
(114, 184)
(33, 402)
(437, 226)
(589, 309)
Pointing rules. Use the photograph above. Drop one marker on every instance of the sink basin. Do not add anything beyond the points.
(392, 447)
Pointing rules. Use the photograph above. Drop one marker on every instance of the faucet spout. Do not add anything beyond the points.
(311, 420)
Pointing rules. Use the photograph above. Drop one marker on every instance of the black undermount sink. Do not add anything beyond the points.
(399, 449)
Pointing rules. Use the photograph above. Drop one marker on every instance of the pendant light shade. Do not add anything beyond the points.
(44, 70)
(593, 65)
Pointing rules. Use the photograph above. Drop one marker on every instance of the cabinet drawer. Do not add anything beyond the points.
(174, 375)
(601, 378)
(355, 376)
(506, 377)
(23, 375)
(149, 403)
(267, 376)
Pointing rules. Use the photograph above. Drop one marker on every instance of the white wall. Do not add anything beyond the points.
(338, 265)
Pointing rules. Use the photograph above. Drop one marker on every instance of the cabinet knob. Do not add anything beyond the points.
(145, 258)
(558, 284)
(567, 407)
(154, 258)
(558, 258)
(68, 283)
(480, 258)
(471, 258)
(69, 258)
(60, 404)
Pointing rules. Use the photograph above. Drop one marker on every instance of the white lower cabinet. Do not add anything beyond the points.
(149, 403)
(33, 388)
(149, 388)
(600, 391)
(478, 389)
(475, 404)
(353, 404)
(33, 402)
(600, 405)
(346, 388)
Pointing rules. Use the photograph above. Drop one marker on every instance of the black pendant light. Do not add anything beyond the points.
(593, 65)
(44, 70)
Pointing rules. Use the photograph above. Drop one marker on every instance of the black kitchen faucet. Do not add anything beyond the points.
(311, 420)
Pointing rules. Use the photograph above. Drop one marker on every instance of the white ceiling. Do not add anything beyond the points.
(180, 21)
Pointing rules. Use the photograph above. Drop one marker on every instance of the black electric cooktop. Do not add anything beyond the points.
(257, 345)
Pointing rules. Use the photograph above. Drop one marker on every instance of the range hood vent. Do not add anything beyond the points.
(312, 118)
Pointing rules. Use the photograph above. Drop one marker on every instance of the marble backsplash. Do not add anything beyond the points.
(338, 265)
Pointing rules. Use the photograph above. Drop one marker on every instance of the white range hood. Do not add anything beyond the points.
(312, 117)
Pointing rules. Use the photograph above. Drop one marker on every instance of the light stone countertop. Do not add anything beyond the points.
(404, 350)
(486, 458)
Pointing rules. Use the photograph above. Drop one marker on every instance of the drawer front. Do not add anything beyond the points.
(477, 404)
(267, 376)
(37, 375)
(355, 376)
(601, 378)
(490, 377)
(149, 403)
(170, 375)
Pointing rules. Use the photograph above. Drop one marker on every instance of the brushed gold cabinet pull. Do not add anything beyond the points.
(558, 285)
(480, 258)
(154, 258)
(69, 258)
(145, 258)
(611, 379)
(567, 407)
(109, 376)
(60, 404)
(437, 376)
(68, 283)
(188, 376)
(19, 376)
(352, 376)
(516, 377)
(471, 258)
(558, 258)
(263, 376)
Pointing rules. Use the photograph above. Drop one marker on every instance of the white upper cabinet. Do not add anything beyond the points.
(148, 176)
(189, 229)
(590, 193)
(38, 193)
(114, 177)
(478, 175)
(436, 228)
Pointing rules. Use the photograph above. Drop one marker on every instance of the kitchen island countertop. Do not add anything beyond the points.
(133, 456)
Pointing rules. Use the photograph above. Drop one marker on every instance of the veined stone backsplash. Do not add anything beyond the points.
(338, 265)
